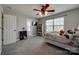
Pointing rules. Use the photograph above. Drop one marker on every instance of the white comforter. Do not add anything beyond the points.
(56, 37)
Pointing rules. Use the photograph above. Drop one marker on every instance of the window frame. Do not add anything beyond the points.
(54, 25)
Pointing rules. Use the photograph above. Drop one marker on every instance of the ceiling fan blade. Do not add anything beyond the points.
(46, 6)
(50, 10)
(36, 10)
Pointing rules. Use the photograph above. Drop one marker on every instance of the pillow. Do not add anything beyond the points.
(69, 36)
(61, 32)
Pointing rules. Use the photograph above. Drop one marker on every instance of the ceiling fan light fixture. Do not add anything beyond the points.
(44, 10)
(46, 13)
(40, 13)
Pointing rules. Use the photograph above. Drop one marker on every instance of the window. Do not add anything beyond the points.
(49, 25)
(59, 24)
(56, 24)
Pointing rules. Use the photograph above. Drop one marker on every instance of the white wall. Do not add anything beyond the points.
(0, 29)
(26, 22)
(71, 19)
(21, 22)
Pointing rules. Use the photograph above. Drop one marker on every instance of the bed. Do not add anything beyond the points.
(63, 42)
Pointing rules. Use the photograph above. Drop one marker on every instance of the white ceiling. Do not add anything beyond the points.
(27, 9)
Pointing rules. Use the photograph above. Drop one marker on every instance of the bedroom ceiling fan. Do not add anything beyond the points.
(44, 10)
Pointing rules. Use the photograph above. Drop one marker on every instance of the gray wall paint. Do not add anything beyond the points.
(71, 19)
(0, 29)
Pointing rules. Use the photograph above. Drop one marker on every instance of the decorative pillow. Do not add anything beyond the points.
(61, 32)
(67, 36)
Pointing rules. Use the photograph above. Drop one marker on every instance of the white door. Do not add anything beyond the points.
(9, 29)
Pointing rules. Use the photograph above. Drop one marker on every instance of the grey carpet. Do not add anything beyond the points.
(32, 46)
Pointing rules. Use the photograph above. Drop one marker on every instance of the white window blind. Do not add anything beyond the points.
(49, 25)
(56, 24)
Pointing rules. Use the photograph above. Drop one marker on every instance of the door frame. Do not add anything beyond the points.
(2, 31)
